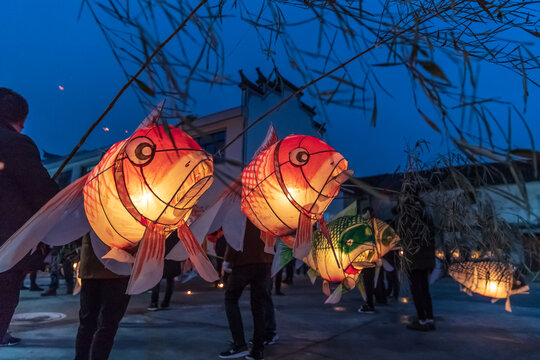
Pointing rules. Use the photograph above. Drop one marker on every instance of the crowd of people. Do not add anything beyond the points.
(25, 186)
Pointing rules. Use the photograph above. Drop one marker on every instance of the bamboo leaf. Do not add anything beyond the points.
(430, 123)
(145, 88)
(433, 69)
(374, 114)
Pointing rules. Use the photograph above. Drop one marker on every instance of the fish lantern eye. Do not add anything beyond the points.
(140, 150)
(350, 242)
(299, 156)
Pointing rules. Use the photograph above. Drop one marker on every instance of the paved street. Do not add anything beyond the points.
(196, 327)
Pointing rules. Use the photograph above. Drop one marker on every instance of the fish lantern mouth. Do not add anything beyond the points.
(343, 176)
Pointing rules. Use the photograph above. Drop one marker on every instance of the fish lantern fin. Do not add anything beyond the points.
(493, 301)
(119, 255)
(326, 234)
(349, 282)
(312, 274)
(522, 290)
(507, 306)
(153, 117)
(196, 254)
(326, 288)
(288, 240)
(147, 270)
(60, 221)
(269, 242)
(302, 244)
(335, 297)
(283, 257)
(377, 273)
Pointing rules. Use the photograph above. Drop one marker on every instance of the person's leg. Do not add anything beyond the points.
(88, 317)
(380, 290)
(33, 284)
(428, 306)
(259, 287)
(237, 281)
(155, 295)
(114, 303)
(67, 266)
(278, 278)
(270, 316)
(10, 286)
(415, 278)
(368, 274)
(168, 292)
(289, 272)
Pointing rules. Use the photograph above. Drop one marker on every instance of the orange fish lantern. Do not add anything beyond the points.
(143, 189)
(288, 186)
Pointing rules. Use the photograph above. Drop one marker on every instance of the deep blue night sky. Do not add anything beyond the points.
(43, 46)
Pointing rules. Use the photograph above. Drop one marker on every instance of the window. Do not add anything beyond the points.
(212, 143)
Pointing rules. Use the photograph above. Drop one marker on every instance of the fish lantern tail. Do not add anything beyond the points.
(196, 254)
(507, 306)
(147, 270)
(269, 242)
(302, 244)
(335, 297)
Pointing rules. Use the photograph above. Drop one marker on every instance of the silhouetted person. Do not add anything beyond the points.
(103, 304)
(171, 269)
(25, 186)
(251, 266)
(417, 238)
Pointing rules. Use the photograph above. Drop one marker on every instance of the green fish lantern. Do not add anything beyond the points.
(357, 243)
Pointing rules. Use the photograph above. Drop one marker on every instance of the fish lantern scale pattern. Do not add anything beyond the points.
(289, 185)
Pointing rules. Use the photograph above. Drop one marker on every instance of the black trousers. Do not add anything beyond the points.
(168, 292)
(103, 304)
(257, 276)
(10, 287)
(392, 278)
(368, 274)
(419, 280)
(67, 266)
(278, 278)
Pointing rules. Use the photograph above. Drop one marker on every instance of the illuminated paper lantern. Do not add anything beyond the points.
(357, 243)
(143, 189)
(288, 186)
(493, 279)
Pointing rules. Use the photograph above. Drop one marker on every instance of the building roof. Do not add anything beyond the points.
(489, 174)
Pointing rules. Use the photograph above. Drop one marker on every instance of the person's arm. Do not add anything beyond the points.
(24, 166)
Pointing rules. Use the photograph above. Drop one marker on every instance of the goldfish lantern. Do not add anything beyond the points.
(493, 279)
(288, 186)
(143, 189)
(357, 244)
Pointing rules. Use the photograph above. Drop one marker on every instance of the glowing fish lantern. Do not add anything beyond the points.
(493, 279)
(143, 189)
(357, 243)
(288, 186)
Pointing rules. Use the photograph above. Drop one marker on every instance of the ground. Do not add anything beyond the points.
(196, 327)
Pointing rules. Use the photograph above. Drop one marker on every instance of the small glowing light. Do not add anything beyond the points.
(126, 131)
(339, 308)
(404, 300)
(439, 254)
(455, 253)
(106, 129)
(60, 87)
(400, 252)
(189, 292)
(1, 165)
(75, 265)
(220, 285)
(475, 254)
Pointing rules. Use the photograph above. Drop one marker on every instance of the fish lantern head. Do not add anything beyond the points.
(354, 244)
(311, 172)
(160, 175)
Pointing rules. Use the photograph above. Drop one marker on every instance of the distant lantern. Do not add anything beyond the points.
(143, 189)
(493, 279)
(288, 186)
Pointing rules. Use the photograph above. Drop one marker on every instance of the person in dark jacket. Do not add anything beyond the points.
(103, 305)
(25, 186)
(417, 236)
(171, 269)
(248, 267)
